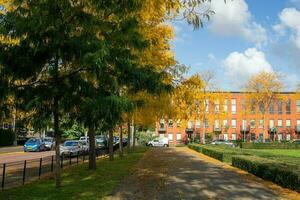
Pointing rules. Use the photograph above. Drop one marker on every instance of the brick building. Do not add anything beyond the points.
(282, 122)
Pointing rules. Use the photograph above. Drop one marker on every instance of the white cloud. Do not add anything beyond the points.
(234, 19)
(240, 66)
(290, 19)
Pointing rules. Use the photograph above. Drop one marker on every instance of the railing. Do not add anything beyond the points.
(18, 173)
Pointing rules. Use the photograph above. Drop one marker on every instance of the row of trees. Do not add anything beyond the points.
(193, 97)
(95, 63)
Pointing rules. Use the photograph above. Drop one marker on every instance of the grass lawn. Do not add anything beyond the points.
(289, 156)
(78, 182)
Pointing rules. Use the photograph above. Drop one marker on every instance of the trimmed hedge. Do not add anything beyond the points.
(7, 137)
(280, 173)
(270, 146)
(209, 152)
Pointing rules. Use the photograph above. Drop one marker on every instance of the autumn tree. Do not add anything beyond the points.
(263, 90)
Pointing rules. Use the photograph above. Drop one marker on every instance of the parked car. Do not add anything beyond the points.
(34, 144)
(83, 138)
(101, 142)
(71, 147)
(85, 146)
(49, 143)
(218, 142)
(159, 142)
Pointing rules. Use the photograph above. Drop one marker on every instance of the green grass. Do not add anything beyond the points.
(78, 182)
(289, 156)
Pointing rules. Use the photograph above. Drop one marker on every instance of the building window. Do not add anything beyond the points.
(217, 124)
(253, 136)
(225, 106)
(279, 122)
(244, 124)
(271, 123)
(298, 106)
(271, 108)
(233, 136)
(178, 124)
(261, 123)
(288, 137)
(252, 107)
(279, 107)
(288, 107)
(170, 123)
(261, 136)
(190, 124)
(288, 123)
(217, 106)
(252, 123)
(170, 136)
(206, 104)
(198, 124)
(233, 106)
(225, 136)
(206, 123)
(178, 137)
(244, 105)
(161, 135)
(261, 107)
(225, 123)
(233, 123)
(279, 137)
(298, 125)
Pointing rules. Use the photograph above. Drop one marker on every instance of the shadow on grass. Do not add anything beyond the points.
(79, 182)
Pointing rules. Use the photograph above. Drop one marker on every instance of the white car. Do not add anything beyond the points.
(159, 142)
(71, 147)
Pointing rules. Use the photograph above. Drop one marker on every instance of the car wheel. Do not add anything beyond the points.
(165, 145)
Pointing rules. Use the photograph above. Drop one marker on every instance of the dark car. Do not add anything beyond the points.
(34, 144)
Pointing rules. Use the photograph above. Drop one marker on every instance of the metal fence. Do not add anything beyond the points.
(18, 173)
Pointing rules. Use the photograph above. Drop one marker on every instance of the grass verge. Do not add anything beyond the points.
(78, 182)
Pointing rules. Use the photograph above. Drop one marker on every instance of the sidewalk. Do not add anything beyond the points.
(180, 173)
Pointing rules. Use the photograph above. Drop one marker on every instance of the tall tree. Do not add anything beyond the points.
(262, 90)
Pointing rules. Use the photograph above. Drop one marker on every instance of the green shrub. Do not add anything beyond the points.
(213, 153)
(283, 174)
(207, 151)
(270, 145)
(7, 137)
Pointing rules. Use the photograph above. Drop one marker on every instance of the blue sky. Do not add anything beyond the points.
(241, 39)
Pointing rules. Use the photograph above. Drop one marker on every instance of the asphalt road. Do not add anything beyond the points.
(179, 173)
(11, 149)
(21, 156)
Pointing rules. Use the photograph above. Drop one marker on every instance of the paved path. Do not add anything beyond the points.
(179, 173)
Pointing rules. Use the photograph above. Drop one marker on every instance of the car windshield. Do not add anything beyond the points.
(48, 140)
(71, 143)
(33, 140)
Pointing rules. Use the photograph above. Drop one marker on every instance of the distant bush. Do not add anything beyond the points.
(269, 145)
(7, 137)
(207, 151)
(282, 174)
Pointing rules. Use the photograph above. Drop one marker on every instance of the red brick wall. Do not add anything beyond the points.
(239, 116)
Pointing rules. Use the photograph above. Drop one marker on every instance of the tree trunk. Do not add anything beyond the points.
(121, 142)
(203, 139)
(111, 145)
(264, 128)
(133, 140)
(92, 147)
(57, 143)
(128, 136)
